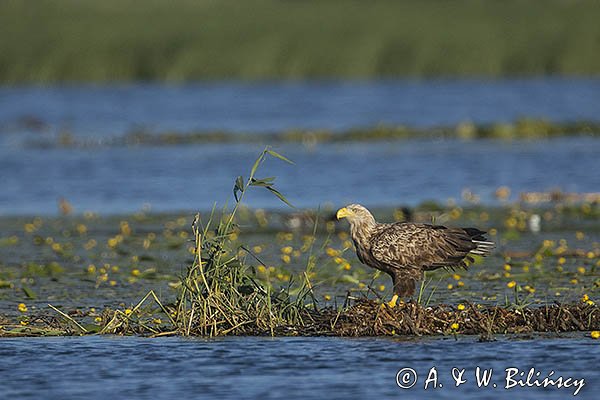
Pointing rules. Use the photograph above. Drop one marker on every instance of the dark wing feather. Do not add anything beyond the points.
(422, 246)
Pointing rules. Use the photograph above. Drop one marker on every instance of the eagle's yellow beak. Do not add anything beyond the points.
(343, 213)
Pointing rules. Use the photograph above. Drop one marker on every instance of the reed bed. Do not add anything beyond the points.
(182, 40)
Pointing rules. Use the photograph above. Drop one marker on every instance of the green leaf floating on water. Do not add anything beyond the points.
(29, 293)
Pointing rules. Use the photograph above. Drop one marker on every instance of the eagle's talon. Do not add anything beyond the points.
(393, 301)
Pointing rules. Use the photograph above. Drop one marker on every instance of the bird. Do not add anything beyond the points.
(405, 250)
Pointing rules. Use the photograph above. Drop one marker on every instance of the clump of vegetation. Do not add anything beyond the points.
(220, 293)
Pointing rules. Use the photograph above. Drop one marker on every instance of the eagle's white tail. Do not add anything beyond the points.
(483, 248)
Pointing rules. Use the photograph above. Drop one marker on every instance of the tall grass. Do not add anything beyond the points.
(220, 294)
(71, 40)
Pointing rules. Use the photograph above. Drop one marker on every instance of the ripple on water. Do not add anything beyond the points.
(306, 368)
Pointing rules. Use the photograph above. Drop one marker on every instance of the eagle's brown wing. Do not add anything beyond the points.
(423, 246)
(411, 249)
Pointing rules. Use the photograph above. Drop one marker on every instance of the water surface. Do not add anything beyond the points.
(124, 179)
(294, 368)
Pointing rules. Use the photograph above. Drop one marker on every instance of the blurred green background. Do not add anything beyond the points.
(179, 40)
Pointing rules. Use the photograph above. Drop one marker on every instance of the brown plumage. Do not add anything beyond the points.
(405, 250)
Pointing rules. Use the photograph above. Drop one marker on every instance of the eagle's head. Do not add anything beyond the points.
(355, 214)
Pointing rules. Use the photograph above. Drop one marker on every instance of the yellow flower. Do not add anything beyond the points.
(562, 260)
(454, 326)
(347, 267)
(81, 229)
(581, 270)
(460, 307)
(456, 277)
(287, 250)
(98, 319)
(338, 260)
(135, 272)
(595, 334)
(450, 286)
(590, 302)
(332, 252)
(585, 298)
(257, 249)
(590, 254)
(460, 284)
(381, 288)
(157, 321)
(91, 269)
(507, 267)
(128, 311)
(261, 269)
(327, 297)
(22, 307)
(574, 281)
(511, 284)
(125, 228)
(530, 289)
(286, 259)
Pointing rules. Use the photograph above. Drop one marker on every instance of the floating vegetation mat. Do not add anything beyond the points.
(525, 128)
(363, 318)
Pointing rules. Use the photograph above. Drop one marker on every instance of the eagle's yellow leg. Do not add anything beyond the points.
(393, 301)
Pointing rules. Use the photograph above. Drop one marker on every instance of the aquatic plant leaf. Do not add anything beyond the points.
(29, 293)
(262, 182)
(238, 187)
(280, 196)
(257, 163)
(277, 155)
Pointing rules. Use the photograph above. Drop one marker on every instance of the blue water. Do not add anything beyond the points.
(292, 368)
(120, 180)
(125, 179)
(275, 106)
